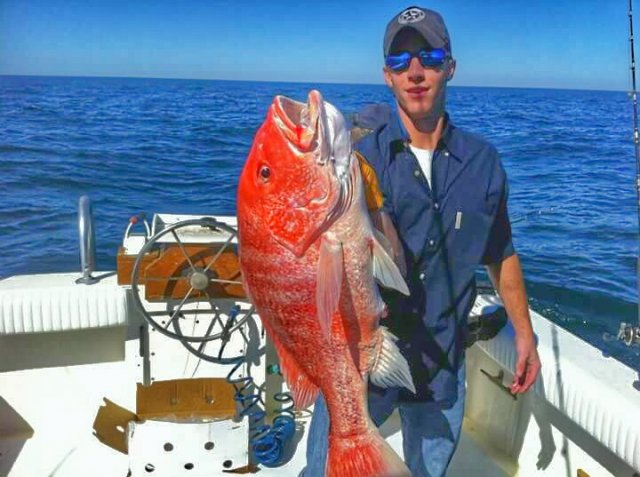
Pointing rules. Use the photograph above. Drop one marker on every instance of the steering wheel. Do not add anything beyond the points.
(194, 264)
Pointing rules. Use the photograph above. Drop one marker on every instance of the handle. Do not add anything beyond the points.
(497, 380)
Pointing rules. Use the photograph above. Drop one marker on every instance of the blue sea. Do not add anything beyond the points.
(177, 146)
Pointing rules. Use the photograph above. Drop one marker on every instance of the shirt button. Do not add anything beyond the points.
(416, 173)
(422, 276)
(446, 153)
(431, 242)
(436, 206)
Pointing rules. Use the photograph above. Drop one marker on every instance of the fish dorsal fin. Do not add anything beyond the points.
(390, 368)
(304, 391)
(330, 270)
(385, 269)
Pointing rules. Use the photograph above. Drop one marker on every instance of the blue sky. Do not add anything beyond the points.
(555, 44)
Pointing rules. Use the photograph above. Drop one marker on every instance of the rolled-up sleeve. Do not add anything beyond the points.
(500, 243)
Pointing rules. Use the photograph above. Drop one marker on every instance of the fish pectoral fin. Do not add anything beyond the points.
(385, 269)
(330, 270)
(383, 241)
(390, 368)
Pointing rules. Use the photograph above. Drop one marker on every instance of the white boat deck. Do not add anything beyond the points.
(60, 404)
(65, 348)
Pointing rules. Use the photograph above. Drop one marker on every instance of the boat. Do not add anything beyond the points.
(161, 367)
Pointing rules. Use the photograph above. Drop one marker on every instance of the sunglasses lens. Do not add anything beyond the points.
(428, 59)
(433, 57)
(398, 62)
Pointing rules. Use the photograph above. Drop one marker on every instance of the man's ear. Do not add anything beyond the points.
(387, 76)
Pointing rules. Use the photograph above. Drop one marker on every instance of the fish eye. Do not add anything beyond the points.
(265, 172)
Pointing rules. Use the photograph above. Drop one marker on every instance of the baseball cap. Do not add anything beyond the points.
(426, 22)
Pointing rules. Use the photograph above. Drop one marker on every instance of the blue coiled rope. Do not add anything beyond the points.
(267, 441)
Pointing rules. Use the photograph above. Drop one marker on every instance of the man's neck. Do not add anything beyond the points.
(424, 133)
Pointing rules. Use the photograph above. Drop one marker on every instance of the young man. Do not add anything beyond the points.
(446, 192)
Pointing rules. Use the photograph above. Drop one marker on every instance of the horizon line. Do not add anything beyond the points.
(302, 82)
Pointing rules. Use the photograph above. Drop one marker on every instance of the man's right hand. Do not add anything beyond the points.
(527, 366)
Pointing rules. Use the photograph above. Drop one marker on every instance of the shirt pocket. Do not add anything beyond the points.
(469, 229)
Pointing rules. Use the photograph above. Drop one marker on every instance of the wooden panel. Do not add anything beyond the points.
(186, 400)
(125, 263)
(167, 277)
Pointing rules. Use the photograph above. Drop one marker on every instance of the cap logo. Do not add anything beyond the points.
(411, 15)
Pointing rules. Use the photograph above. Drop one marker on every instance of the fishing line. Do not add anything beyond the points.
(528, 215)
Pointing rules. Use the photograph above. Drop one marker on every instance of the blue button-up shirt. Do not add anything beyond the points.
(447, 229)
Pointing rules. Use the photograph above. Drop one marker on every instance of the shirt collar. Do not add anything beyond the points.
(448, 141)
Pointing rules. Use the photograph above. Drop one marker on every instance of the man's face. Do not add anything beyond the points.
(419, 91)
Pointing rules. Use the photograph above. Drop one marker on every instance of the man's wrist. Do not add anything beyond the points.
(524, 332)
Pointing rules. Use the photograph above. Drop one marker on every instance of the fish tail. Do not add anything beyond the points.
(363, 455)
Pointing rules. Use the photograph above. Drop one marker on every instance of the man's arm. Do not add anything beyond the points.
(508, 280)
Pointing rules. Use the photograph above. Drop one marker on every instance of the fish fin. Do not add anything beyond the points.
(385, 269)
(390, 368)
(304, 391)
(330, 269)
(366, 454)
(383, 241)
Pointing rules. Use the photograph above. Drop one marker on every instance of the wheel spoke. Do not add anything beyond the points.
(184, 252)
(229, 282)
(216, 314)
(175, 313)
(222, 249)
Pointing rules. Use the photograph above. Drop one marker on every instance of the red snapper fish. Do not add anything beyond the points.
(310, 259)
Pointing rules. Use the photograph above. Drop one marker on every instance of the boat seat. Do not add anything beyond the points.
(54, 302)
(49, 320)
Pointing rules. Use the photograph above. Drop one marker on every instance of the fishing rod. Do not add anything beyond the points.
(628, 333)
(636, 134)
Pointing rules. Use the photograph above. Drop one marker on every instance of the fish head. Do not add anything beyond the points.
(296, 178)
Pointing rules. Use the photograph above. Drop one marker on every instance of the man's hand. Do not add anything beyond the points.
(508, 281)
(527, 366)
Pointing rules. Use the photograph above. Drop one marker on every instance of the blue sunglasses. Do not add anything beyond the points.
(428, 59)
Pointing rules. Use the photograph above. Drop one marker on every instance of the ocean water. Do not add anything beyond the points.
(177, 146)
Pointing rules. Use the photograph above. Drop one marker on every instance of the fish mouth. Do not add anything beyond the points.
(302, 124)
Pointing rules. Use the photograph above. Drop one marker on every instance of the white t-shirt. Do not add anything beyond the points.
(424, 157)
